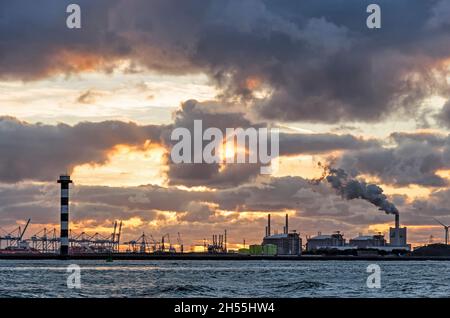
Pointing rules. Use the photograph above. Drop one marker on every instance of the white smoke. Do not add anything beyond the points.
(353, 189)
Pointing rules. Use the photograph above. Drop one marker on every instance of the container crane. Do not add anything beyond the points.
(155, 247)
(118, 238)
(180, 243)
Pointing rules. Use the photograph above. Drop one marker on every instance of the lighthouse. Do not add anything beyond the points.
(64, 180)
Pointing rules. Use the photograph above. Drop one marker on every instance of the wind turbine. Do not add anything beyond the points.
(445, 228)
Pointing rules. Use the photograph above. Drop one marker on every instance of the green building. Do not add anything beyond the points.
(256, 250)
(270, 249)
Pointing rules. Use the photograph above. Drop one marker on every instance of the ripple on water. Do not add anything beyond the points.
(223, 279)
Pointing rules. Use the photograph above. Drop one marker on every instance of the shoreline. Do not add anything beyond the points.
(218, 257)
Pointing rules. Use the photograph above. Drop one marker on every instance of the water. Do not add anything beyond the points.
(48, 278)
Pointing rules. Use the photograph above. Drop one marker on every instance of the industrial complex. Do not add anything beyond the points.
(287, 243)
(397, 241)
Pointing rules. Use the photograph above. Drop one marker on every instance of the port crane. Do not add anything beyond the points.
(113, 235)
(116, 239)
(140, 245)
(180, 243)
(14, 239)
(145, 244)
(163, 247)
(171, 248)
(45, 241)
(156, 245)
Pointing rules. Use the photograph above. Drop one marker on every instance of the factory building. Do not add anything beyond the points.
(368, 241)
(333, 241)
(286, 243)
(397, 241)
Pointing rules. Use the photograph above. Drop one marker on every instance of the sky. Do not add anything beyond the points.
(100, 103)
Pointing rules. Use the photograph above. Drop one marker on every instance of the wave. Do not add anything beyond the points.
(299, 285)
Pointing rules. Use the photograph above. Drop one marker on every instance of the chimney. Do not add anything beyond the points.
(268, 225)
(286, 227)
(397, 221)
(226, 250)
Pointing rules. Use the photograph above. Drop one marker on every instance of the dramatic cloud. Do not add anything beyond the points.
(227, 116)
(414, 159)
(41, 152)
(437, 205)
(314, 63)
(199, 214)
(294, 144)
(104, 204)
(444, 115)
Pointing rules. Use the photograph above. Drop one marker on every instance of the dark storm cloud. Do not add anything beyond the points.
(140, 198)
(212, 175)
(273, 195)
(104, 204)
(414, 159)
(317, 206)
(321, 143)
(436, 140)
(23, 201)
(34, 38)
(231, 175)
(422, 211)
(197, 212)
(443, 117)
(41, 152)
(437, 205)
(318, 58)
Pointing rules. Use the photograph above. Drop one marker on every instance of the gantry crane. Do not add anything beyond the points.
(14, 239)
(180, 243)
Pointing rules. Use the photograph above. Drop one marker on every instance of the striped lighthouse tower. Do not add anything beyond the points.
(64, 180)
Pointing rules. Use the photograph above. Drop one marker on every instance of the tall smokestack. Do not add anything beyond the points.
(397, 221)
(268, 225)
(286, 227)
(226, 241)
(64, 180)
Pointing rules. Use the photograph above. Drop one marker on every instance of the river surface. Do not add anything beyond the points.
(49, 278)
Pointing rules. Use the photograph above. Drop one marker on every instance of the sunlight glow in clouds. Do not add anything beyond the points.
(126, 167)
(141, 97)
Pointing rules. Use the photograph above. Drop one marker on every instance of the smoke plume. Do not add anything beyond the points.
(353, 189)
